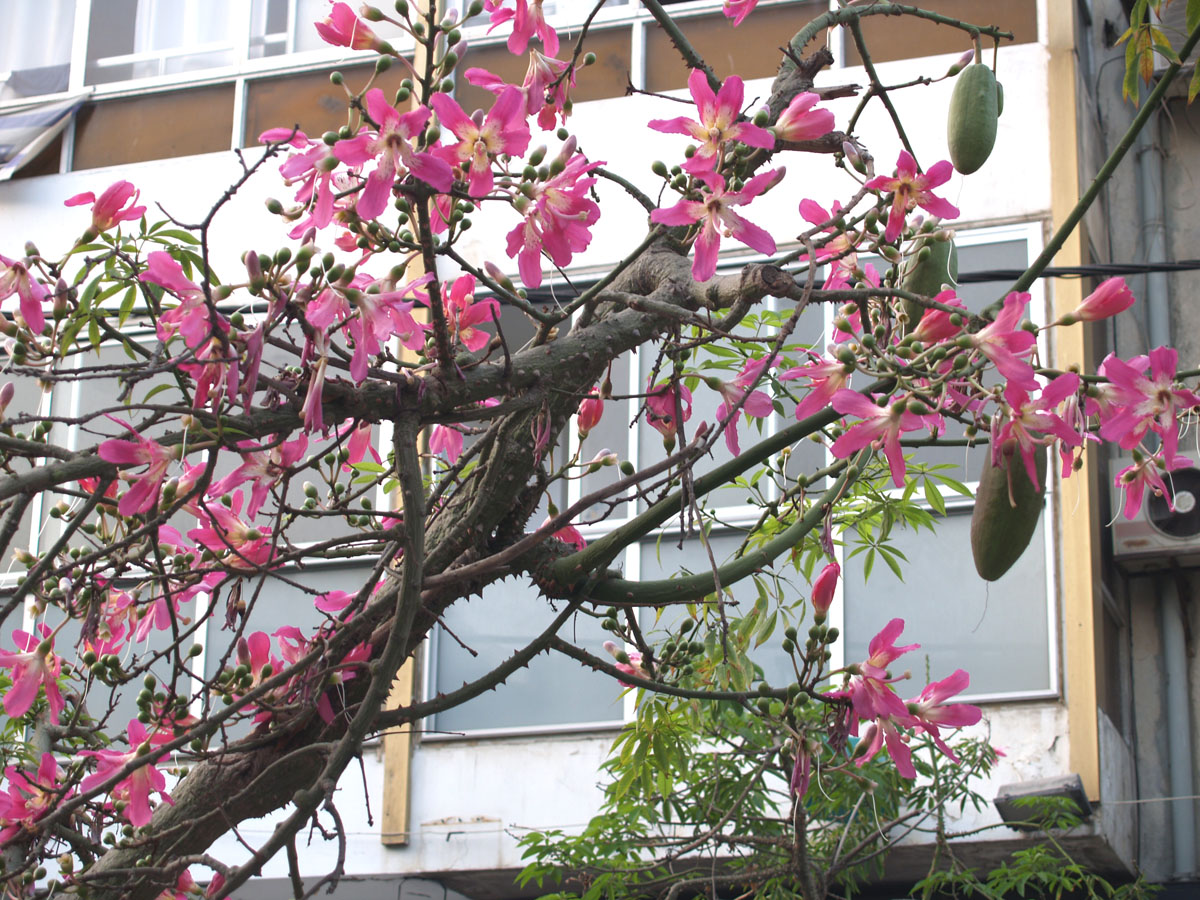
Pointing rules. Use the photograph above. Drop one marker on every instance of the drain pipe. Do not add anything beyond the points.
(1172, 623)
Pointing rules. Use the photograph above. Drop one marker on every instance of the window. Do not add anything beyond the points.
(30, 67)
(1002, 633)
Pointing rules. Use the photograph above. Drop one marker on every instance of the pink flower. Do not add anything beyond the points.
(447, 441)
(191, 318)
(557, 219)
(1004, 341)
(931, 710)
(591, 408)
(718, 123)
(383, 315)
(359, 439)
(1113, 296)
(869, 691)
(827, 377)
(756, 404)
(716, 213)
(34, 665)
(802, 770)
(264, 467)
(392, 146)
(27, 798)
(1143, 473)
(343, 28)
(1141, 403)
(800, 122)
(143, 496)
(15, 278)
(935, 325)
(314, 171)
(882, 730)
(881, 427)
(632, 667)
(333, 601)
(465, 313)
(737, 10)
(504, 130)
(528, 21)
(568, 534)
(910, 189)
(114, 205)
(664, 406)
(1028, 419)
(839, 249)
(222, 531)
(882, 651)
(546, 88)
(137, 786)
(823, 590)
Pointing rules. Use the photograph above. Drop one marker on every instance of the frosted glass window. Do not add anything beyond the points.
(998, 631)
(665, 558)
(968, 462)
(41, 66)
(551, 690)
(130, 39)
(279, 27)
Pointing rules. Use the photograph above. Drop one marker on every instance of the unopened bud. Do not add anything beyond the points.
(854, 157)
(6, 395)
(961, 63)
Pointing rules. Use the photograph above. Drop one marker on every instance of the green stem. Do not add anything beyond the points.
(598, 554)
(689, 588)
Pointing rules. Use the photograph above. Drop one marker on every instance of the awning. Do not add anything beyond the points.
(25, 131)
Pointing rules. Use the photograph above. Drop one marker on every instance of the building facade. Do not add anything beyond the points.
(1069, 653)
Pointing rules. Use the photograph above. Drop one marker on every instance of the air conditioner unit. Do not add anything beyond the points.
(1157, 537)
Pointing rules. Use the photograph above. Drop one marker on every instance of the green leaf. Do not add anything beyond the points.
(89, 294)
(934, 497)
(1192, 16)
(94, 333)
(1194, 85)
(126, 305)
(892, 562)
(1129, 86)
(957, 486)
(179, 235)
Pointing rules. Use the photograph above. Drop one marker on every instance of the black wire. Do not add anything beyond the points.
(1010, 275)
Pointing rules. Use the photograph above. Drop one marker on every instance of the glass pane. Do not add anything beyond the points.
(277, 604)
(705, 404)
(32, 67)
(611, 434)
(552, 690)
(22, 415)
(968, 462)
(997, 631)
(665, 558)
(130, 39)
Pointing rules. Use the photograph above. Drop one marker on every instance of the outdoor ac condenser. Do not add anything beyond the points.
(1157, 537)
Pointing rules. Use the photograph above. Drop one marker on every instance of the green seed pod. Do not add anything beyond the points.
(971, 125)
(1007, 509)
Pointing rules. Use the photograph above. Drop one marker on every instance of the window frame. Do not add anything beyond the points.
(1032, 232)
